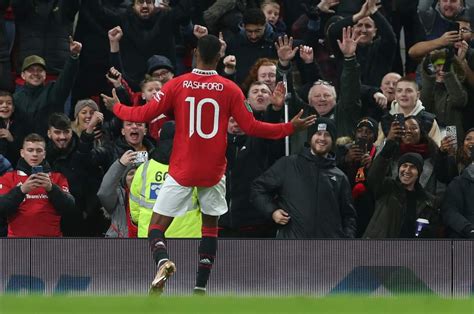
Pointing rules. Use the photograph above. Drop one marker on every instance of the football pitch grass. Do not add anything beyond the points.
(221, 304)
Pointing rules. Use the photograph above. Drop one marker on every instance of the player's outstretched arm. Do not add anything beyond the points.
(300, 124)
(145, 113)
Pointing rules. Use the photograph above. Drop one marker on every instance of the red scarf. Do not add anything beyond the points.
(421, 149)
(360, 188)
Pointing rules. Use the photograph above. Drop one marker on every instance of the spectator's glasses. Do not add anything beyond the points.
(322, 82)
(464, 30)
(160, 73)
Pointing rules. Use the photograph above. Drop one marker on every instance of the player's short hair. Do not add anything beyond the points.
(34, 138)
(209, 48)
(59, 121)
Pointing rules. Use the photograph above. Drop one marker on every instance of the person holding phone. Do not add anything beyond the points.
(32, 196)
(444, 93)
(412, 138)
(355, 159)
(407, 102)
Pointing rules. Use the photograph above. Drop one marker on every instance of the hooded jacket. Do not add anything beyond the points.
(427, 119)
(113, 196)
(37, 213)
(313, 191)
(457, 208)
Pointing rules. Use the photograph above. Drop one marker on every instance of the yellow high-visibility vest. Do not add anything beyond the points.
(144, 190)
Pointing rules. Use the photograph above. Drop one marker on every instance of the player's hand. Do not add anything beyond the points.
(280, 217)
(110, 102)
(300, 124)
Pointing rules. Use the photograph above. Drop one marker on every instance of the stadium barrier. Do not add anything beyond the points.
(243, 267)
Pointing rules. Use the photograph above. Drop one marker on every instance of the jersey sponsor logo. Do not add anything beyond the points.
(154, 190)
(204, 85)
(36, 196)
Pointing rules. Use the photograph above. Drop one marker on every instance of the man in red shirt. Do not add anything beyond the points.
(201, 103)
(33, 197)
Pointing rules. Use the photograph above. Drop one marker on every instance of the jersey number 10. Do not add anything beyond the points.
(195, 117)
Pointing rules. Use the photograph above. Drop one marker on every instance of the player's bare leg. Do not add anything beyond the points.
(156, 238)
(207, 252)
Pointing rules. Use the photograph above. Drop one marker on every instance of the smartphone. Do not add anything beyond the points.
(362, 143)
(453, 26)
(36, 169)
(451, 131)
(471, 150)
(400, 118)
(3, 125)
(141, 157)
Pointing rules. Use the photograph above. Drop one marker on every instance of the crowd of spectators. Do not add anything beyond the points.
(390, 156)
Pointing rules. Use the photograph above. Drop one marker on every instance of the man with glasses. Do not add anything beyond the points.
(160, 68)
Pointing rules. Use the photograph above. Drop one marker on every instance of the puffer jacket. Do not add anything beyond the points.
(313, 191)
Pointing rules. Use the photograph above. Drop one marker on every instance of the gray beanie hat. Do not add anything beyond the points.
(85, 103)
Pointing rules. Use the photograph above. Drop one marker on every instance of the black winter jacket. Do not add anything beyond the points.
(313, 191)
(457, 209)
(43, 28)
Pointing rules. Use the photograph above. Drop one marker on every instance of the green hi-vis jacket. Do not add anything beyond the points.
(146, 185)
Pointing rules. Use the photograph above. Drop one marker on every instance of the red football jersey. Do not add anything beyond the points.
(201, 103)
(36, 215)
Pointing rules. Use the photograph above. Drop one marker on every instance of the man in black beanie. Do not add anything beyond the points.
(314, 196)
(403, 209)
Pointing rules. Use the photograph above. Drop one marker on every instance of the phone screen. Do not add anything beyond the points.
(400, 118)
(36, 169)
